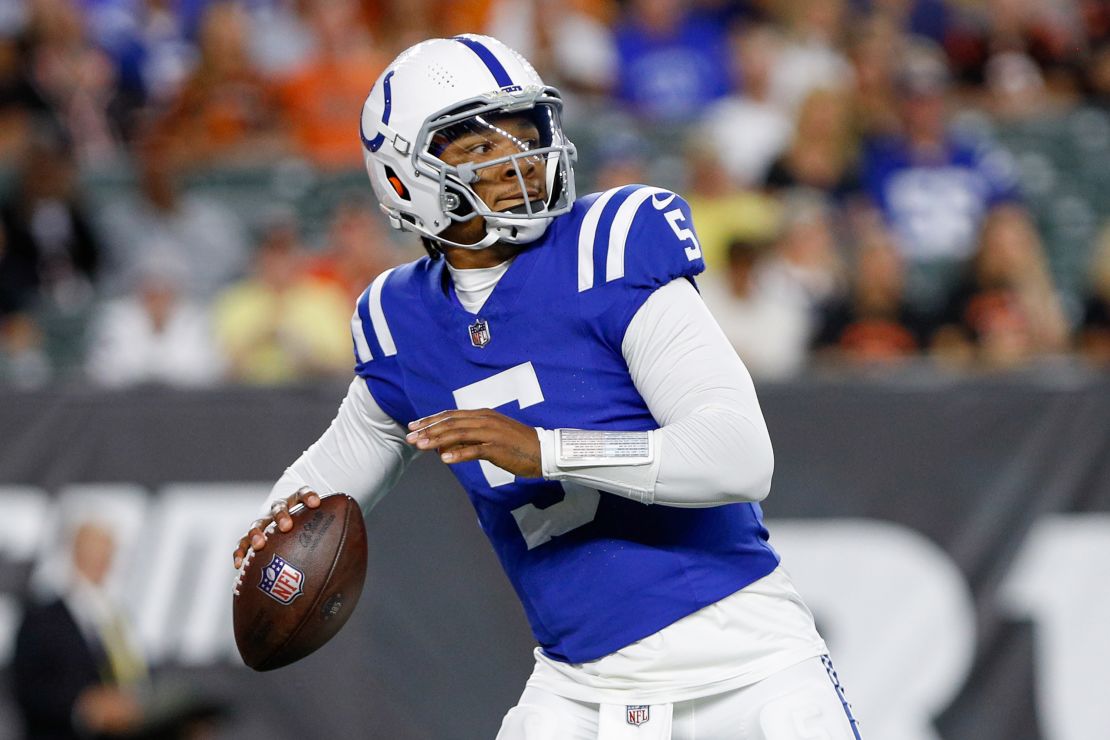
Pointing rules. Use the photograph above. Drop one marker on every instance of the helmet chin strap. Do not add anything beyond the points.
(499, 230)
(517, 231)
(511, 231)
(488, 240)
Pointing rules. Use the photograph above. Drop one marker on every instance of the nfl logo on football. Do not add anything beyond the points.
(637, 715)
(479, 333)
(282, 581)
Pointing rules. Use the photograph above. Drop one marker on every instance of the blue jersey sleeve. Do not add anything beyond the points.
(644, 239)
(375, 352)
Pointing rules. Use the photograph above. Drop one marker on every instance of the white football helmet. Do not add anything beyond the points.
(441, 90)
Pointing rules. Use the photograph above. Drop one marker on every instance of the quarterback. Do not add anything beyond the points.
(554, 351)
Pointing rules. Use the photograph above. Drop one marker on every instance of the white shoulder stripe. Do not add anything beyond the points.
(586, 236)
(622, 224)
(362, 347)
(377, 316)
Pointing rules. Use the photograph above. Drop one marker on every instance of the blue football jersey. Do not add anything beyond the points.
(594, 571)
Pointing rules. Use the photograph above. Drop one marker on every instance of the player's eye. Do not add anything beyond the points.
(481, 147)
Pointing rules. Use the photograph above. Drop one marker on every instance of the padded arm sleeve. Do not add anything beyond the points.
(362, 453)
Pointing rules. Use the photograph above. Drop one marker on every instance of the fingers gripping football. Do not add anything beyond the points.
(255, 538)
(479, 434)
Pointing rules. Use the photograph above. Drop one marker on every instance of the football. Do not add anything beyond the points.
(295, 594)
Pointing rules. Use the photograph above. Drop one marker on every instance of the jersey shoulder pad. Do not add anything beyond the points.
(638, 235)
(372, 331)
(371, 327)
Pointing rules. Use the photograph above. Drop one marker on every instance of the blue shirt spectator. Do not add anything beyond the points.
(152, 44)
(935, 202)
(672, 63)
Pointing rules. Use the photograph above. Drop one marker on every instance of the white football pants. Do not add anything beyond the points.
(803, 702)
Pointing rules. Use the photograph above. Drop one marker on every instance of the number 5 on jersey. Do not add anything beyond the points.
(579, 504)
(674, 216)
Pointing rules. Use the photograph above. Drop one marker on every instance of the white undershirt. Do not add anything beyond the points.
(474, 286)
(712, 448)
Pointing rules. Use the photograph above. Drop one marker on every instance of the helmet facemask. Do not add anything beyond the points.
(514, 151)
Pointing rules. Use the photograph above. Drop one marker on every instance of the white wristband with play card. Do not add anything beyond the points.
(583, 448)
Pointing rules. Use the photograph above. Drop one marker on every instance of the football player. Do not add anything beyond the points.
(554, 351)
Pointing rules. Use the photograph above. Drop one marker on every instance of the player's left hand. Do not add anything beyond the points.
(480, 434)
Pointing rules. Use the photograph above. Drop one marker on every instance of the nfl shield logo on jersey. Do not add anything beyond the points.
(638, 714)
(479, 333)
(282, 581)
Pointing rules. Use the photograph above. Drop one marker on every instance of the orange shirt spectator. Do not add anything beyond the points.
(323, 97)
(357, 250)
(225, 108)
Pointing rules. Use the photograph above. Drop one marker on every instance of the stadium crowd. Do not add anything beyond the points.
(874, 182)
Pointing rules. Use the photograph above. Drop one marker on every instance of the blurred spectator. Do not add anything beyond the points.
(747, 128)
(1016, 88)
(874, 323)
(280, 324)
(149, 43)
(24, 363)
(1098, 75)
(933, 188)
(20, 102)
(49, 255)
(926, 18)
(280, 37)
(416, 20)
(1006, 311)
(672, 62)
(326, 92)
(806, 264)
(1051, 33)
(13, 16)
(823, 154)
(200, 231)
(226, 112)
(875, 45)
(154, 334)
(621, 157)
(569, 41)
(76, 669)
(723, 211)
(76, 79)
(811, 58)
(357, 250)
(768, 328)
(1094, 333)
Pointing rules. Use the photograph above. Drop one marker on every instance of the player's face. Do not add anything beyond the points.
(502, 186)
(487, 138)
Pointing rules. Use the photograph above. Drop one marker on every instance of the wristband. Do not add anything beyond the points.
(580, 448)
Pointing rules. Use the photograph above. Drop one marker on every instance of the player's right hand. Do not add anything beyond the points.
(255, 538)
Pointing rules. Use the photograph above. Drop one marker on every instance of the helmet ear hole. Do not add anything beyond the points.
(396, 184)
(462, 207)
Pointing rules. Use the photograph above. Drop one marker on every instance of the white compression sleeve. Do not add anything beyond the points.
(362, 453)
(712, 446)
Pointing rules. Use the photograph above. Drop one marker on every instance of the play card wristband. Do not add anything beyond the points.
(620, 462)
